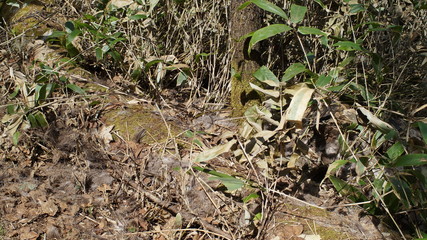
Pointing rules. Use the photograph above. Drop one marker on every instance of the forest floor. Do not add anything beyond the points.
(123, 169)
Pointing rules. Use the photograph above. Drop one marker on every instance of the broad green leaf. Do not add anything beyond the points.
(333, 167)
(297, 13)
(106, 48)
(423, 129)
(266, 32)
(410, 160)
(320, 3)
(32, 120)
(402, 190)
(182, 77)
(69, 27)
(115, 55)
(15, 138)
(323, 81)
(99, 54)
(292, 71)
(230, 182)
(202, 56)
(250, 197)
(214, 152)
(263, 74)
(40, 94)
(355, 8)
(310, 30)
(347, 46)
(41, 119)
(75, 88)
(151, 63)
(138, 16)
(50, 88)
(395, 151)
(347, 190)
(72, 36)
(267, 6)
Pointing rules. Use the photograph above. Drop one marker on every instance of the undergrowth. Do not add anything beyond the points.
(356, 67)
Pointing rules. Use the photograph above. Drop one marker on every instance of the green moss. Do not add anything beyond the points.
(308, 212)
(242, 95)
(131, 120)
(24, 20)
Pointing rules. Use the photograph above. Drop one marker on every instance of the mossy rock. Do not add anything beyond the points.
(141, 123)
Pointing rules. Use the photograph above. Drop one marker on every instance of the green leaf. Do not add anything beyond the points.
(423, 128)
(40, 94)
(333, 167)
(250, 197)
(297, 13)
(292, 71)
(15, 137)
(323, 80)
(11, 109)
(138, 17)
(72, 36)
(230, 182)
(267, 6)
(32, 120)
(41, 119)
(355, 8)
(266, 32)
(263, 74)
(214, 152)
(347, 190)
(182, 77)
(75, 88)
(347, 46)
(395, 151)
(151, 63)
(310, 30)
(202, 56)
(99, 54)
(15, 93)
(320, 3)
(69, 26)
(115, 55)
(410, 160)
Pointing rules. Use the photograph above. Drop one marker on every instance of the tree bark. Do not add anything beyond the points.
(243, 22)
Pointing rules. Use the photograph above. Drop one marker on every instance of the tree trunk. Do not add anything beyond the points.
(243, 66)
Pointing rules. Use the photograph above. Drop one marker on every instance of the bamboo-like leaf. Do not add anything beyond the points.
(423, 128)
(297, 13)
(273, 93)
(266, 32)
(75, 88)
(263, 74)
(230, 182)
(293, 70)
(214, 152)
(347, 46)
(410, 160)
(298, 105)
(267, 6)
